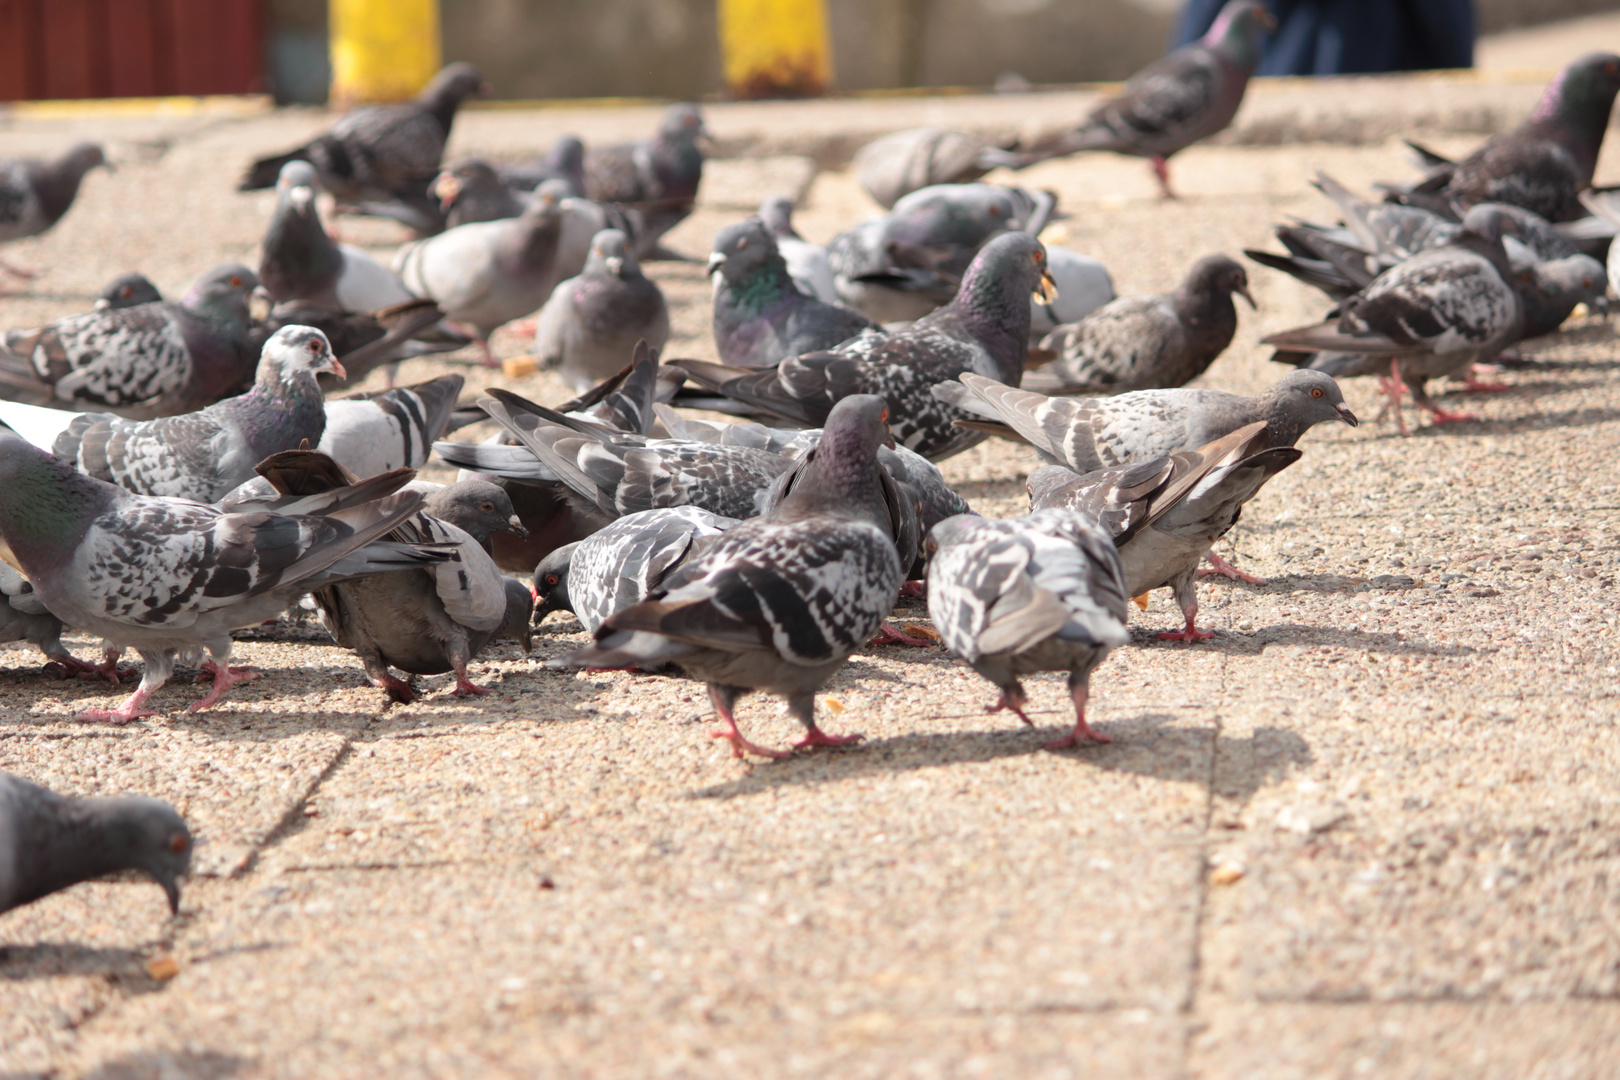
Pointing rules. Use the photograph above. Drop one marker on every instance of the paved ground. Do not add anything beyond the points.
(1369, 829)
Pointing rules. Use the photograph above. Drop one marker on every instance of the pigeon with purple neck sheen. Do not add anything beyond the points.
(203, 455)
(589, 327)
(984, 329)
(1038, 593)
(779, 602)
(140, 362)
(50, 842)
(299, 260)
(35, 194)
(1178, 100)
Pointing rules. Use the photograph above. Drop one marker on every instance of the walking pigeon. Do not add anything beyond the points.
(589, 327)
(140, 362)
(892, 167)
(35, 194)
(299, 261)
(1148, 342)
(1178, 100)
(760, 317)
(807, 263)
(50, 842)
(984, 329)
(658, 177)
(165, 575)
(779, 602)
(128, 290)
(1039, 593)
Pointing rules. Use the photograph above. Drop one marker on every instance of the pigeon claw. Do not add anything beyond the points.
(121, 715)
(1190, 633)
(741, 747)
(815, 737)
(465, 687)
(1015, 703)
(1082, 734)
(890, 634)
(1218, 565)
(225, 677)
(398, 690)
(1441, 416)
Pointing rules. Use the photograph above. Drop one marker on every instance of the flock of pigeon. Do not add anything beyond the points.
(173, 470)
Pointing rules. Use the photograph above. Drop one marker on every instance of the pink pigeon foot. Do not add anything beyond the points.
(1014, 701)
(1441, 416)
(1188, 633)
(1218, 565)
(890, 634)
(740, 746)
(1083, 732)
(465, 687)
(917, 590)
(815, 737)
(224, 678)
(397, 689)
(129, 710)
(1394, 386)
(1473, 383)
(1161, 171)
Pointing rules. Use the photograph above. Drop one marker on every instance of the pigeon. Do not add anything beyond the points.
(1164, 515)
(779, 602)
(624, 563)
(892, 167)
(1607, 207)
(1543, 164)
(1083, 285)
(300, 261)
(141, 362)
(807, 263)
(565, 161)
(589, 327)
(1178, 100)
(50, 842)
(35, 194)
(984, 329)
(128, 290)
(24, 618)
(490, 272)
(392, 429)
(203, 455)
(471, 190)
(1549, 292)
(1433, 314)
(760, 317)
(1086, 434)
(1148, 342)
(659, 177)
(1039, 593)
(382, 153)
(365, 341)
(164, 575)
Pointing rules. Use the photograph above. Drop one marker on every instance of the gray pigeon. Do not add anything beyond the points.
(1039, 593)
(1086, 434)
(299, 261)
(392, 429)
(24, 618)
(807, 263)
(779, 602)
(1165, 515)
(364, 341)
(895, 165)
(984, 329)
(658, 177)
(128, 290)
(203, 455)
(589, 327)
(1147, 342)
(565, 161)
(761, 317)
(1178, 100)
(471, 190)
(50, 842)
(165, 575)
(624, 563)
(140, 362)
(1083, 285)
(35, 194)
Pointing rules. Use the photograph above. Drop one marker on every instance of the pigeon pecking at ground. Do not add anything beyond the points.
(1038, 593)
(140, 362)
(1185, 97)
(35, 194)
(779, 602)
(50, 842)
(984, 329)
(807, 263)
(1147, 342)
(589, 327)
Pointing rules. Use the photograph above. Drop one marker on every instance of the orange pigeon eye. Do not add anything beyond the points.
(551, 579)
(743, 243)
(885, 416)
(1317, 392)
(178, 843)
(487, 507)
(236, 282)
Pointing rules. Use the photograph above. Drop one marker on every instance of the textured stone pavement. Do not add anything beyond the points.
(1371, 829)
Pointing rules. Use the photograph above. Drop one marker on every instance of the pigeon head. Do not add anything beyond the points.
(223, 293)
(844, 474)
(777, 214)
(128, 290)
(1579, 98)
(953, 529)
(147, 835)
(567, 155)
(478, 508)
(682, 123)
(297, 187)
(1218, 275)
(547, 199)
(1300, 400)
(84, 157)
(611, 254)
(551, 582)
(472, 175)
(994, 298)
(518, 624)
(454, 84)
(295, 353)
(742, 252)
(1237, 30)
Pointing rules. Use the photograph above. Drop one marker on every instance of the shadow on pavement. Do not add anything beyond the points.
(164, 1065)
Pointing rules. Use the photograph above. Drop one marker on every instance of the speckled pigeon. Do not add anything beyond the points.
(299, 261)
(391, 429)
(1148, 342)
(1038, 593)
(140, 362)
(984, 329)
(1178, 100)
(659, 176)
(128, 290)
(779, 602)
(893, 166)
(365, 341)
(807, 263)
(589, 327)
(165, 575)
(35, 194)
(760, 317)
(50, 842)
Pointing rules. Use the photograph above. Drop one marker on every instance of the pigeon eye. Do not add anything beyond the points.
(488, 508)
(236, 282)
(743, 243)
(1036, 256)
(1317, 392)
(551, 579)
(885, 416)
(178, 843)
(995, 211)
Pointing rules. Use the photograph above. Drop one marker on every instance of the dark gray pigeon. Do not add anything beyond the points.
(589, 327)
(50, 842)
(1178, 100)
(141, 362)
(1038, 593)
(760, 316)
(1164, 515)
(165, 575)
(658, 177)
(893, 166)
(807, 263)
(779, 602)
(35, 194)
(565, 161)
(203, 455)
(1148, 342)
(128, 290)
(300, 261)
(984, 329)
(471, 190)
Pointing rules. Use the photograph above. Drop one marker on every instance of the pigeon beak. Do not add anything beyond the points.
(171, 888)
(448, 189)
(716, 261)
(1243, 291)
(301, 196)
(336, 368)
(1346, 415)
(614, 264)
(527, 639)
(1046, 291)
(259, 304)
(517, 527)
(103, 303)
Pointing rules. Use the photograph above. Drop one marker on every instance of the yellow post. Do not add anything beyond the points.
(382, 50)
(775, 48)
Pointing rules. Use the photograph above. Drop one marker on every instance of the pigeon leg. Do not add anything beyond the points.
(1013, 698)
(805, 709)
(460, 657)
(915, 589)
(1083, 732)
(377, 671)
(159, 666)
(1161, 171)
(890, 634)
(1439, 415)
(1473, 383)
(26, 273)
(225, 677)
(1218, 565)
(724, 698)
(1394, 387)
